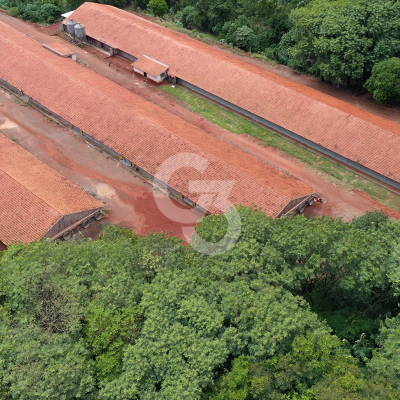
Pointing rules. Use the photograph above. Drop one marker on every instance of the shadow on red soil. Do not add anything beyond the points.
(129, 198)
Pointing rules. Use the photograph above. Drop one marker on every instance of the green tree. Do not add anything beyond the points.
(342, 40)
(201, 311)
(298, 309)
(159, 7)
(244, 37)
(55, 299)
(385, 364)
(236, 384)
(384, 82)
(107, 332)
(190, 17)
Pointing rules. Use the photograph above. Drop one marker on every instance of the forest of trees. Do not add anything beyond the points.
(299, 309)
(338, 40)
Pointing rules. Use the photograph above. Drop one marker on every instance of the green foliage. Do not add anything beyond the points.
(189, 17)
(243, 23)
(385, 364)
(48, 11)
(371, 220)
(67, 311)
(236, 384)
(115, 3)
(195, 316)
(342, 40)
(39, 364)
(317, 367)
(159, 7)
(384, 83)
(107, 332)
(297, 309)
(244, 37)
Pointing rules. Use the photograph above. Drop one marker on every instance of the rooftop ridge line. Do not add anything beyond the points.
(117, 15)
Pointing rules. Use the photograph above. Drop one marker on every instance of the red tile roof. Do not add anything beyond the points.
(23, 216)
(150, 66)
(33, 196)
(142, 132)
(59, 48)
(336, 125)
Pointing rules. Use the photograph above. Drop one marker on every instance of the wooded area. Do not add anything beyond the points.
(298, 309)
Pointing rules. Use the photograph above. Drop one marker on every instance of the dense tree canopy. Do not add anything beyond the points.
(297, 309)
(341, 40)
(384, 83)
(158, 7)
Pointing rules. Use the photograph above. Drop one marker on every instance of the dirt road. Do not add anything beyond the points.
(337, 202)
(129, 198)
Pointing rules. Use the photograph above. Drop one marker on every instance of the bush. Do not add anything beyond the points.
(159, 7)
(141, 4)
(49, 12)
(271, 53)
(189, 17)
(36, 12)
(384, 84)
(13, 11)
(371, 220)
(244, 37)
(228, 32)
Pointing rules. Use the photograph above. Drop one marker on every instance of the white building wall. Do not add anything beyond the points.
(157, 79)
(138, 71)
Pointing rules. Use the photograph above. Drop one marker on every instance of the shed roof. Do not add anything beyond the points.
(150, 66)
(34, 196)
(59, 48)
(358, 135)
(144, 133)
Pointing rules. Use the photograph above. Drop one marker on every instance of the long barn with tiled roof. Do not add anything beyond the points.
(143, 134)
(355, 137)
(36, 201)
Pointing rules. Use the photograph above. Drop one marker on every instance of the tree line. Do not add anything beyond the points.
(298, 309)
(341, 41)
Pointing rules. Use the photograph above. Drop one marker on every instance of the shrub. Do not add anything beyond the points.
(189, 17)
(371, 220)
(384, 84)
(159, 7)
(13, 11)
(244, 37)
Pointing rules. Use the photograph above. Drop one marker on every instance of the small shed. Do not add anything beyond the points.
(151, 68)
(61, 50)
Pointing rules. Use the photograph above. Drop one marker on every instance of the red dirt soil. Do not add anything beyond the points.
(337, 202)
(129, 198)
